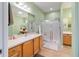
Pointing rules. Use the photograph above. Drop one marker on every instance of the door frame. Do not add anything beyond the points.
(4, 20)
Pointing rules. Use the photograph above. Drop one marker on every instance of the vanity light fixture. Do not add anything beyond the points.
(28, 9)
(20, 12)
(20, 3)
(51, 9)
(25, 6)
(47, 20)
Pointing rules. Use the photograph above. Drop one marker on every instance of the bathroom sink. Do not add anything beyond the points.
(21, 39)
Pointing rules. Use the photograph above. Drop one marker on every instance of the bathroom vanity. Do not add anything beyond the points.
(67, 38)
(26, 46)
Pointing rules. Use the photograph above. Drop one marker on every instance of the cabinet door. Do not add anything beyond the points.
(67, 39)
(28, 49)
(19, 50)
(41, 42)
(11, 52)
(15, 51)
(36, 45)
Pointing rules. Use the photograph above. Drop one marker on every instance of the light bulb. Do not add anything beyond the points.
(51, 9)
(19, 12)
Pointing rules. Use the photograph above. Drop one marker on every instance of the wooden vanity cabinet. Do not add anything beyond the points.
(36, 45)
(67, 39)
(15, 51)
(28, 49)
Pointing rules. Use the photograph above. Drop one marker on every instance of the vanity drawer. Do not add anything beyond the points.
(15, 51)
(11, 51)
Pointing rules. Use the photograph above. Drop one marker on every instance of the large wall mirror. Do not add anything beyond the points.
(67, 19)
(20, 18)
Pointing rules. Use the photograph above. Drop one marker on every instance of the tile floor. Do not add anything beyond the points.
(66, 51)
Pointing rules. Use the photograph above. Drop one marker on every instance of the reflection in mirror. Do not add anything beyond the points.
(67, 19)
(21, 20)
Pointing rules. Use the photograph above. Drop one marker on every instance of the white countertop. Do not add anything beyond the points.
(15, 42)
(67, 32)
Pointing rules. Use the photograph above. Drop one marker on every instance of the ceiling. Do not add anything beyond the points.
(45, 6)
